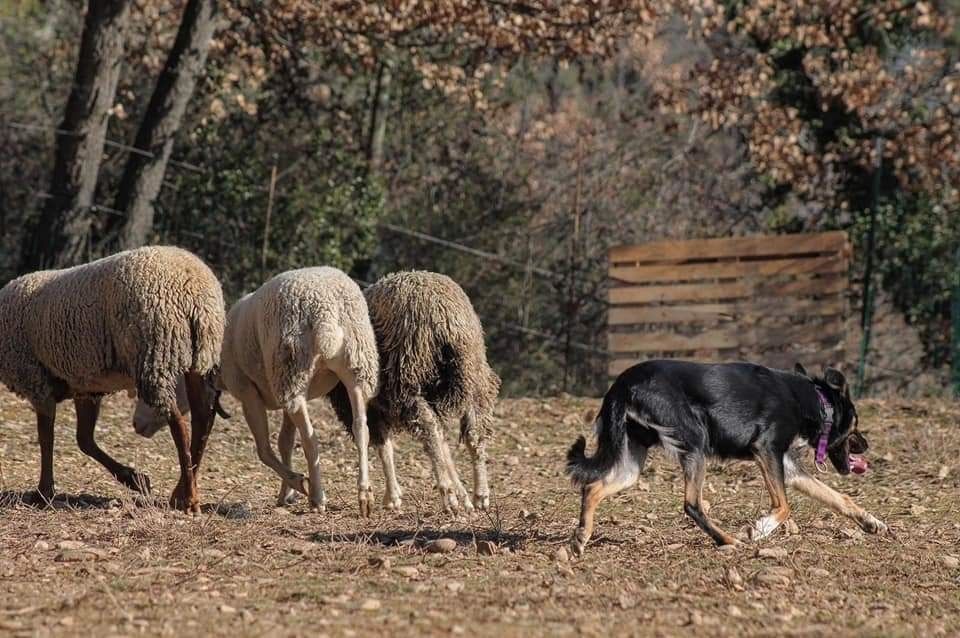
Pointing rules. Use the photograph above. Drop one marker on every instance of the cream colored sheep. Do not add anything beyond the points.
(294, 339)
(140, 320)
(433, 369)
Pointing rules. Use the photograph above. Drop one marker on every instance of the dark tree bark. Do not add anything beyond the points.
(143, 174)
(61, 234)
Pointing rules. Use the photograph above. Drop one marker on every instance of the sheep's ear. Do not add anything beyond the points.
(799, 369)
(835, 379)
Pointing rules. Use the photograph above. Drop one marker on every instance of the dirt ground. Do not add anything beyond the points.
(98, 562)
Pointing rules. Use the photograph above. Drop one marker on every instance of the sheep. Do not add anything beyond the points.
(433, 369)
(293, 339)
(139, 320)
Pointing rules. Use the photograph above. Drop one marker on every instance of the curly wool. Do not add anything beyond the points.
(275, 334)
(137, 320)
(431, 344)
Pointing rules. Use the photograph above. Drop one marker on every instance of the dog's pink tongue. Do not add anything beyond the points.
(858, 464)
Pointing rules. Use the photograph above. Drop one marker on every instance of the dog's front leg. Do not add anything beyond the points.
(799, 479)
(772, 469)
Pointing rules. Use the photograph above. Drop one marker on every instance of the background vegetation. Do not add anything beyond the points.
(533, 136)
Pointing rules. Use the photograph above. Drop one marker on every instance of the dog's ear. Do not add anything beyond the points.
(799, 369)
(835, 379)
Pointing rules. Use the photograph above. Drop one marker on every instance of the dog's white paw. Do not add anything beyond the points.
(763, 528)
(873, 525)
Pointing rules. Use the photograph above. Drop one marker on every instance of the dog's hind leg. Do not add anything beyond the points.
(799, 479)
(694, 468)
(771, 467)
(623, 475)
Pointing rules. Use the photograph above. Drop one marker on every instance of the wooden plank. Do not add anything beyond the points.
(734, 290)
(753, 246)
(709, 312)
(729, 336)
(729, 269)
(812, 361)
(664, 341)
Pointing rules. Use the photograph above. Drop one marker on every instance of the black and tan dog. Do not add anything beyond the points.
(740, 411)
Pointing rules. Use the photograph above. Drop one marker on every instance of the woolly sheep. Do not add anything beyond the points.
(294, 339)
(433, 369)
(140, 320)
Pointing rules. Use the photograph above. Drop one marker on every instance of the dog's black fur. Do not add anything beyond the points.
(727, 411)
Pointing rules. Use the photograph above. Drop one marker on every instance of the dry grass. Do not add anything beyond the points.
(103, 564)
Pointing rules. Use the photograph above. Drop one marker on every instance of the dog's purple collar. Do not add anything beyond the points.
(827, 407)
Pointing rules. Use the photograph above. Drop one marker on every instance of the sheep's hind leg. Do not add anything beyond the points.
(431, 435)
(361, 436)
(288, 433)
(255, 414)
(46, 415)
(184, 496)
(392, 497)
(478, 453)
(462, 493)
(88, 410)
(298, 414)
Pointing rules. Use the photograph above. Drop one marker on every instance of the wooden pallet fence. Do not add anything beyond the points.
(770, 299)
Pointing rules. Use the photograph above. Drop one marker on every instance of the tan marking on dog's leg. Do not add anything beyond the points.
(591, 495)
(285, 442)
(392, 497)
(772, 473)
(694, 469)
(799, 479)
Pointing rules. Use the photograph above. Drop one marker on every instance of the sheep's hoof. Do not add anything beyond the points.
(481, 502)
(39, 498)
(318, 501)
(448, 498)
(136, 481)
(286, 497)
(366, 499)
(392, 502)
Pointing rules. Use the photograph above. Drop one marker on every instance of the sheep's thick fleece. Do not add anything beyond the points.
(275, 334)
(135, 320)
(431, 344)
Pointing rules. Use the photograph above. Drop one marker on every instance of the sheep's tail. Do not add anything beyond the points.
(611, 428)
(206, 323)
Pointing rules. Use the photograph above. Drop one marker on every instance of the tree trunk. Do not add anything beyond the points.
(378, 119)
(143, 174)
(62, 232)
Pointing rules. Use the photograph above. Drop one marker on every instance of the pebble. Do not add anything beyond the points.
(227, 609)
(78, 555)
(733, 578)
(770, 578)
(379, 562)
(772, 552)
(562, 555)
(441, 546)
(407, 570)
(791, 527)
(727, 549)
(734, 611)
(818, 572)
(41, 546)
(951, 561)
(70, 545)
(370, 604)
(455, 586)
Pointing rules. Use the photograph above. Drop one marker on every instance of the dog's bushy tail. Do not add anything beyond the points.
(611, 439)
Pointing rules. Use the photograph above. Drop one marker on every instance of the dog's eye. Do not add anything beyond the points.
(858, 444)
